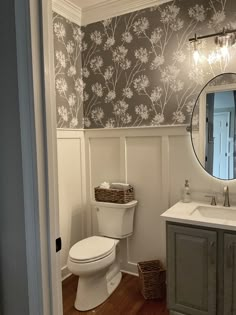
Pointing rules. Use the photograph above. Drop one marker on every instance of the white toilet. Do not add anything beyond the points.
(96, 259)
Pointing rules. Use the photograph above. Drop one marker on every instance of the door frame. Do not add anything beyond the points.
(35, 66)
(227, 114)
(202, 115)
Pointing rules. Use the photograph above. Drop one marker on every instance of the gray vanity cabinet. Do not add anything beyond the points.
(201, 270)
(192, 269)
(229, 295)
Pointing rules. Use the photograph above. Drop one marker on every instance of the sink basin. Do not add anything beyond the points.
(214, 213)
(201, 214)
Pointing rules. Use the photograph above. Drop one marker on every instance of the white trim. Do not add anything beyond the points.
(165, 176)
(88, 185)
(37, 304)
(130, 273)
(70, 134)
(136, 132)
(39, 188)
(132, 268)
(85, 203)
(68, 10)
(107, 9)
(134, 128)
(49, 127)
(69, 129)
(65, 273)
(123, 160)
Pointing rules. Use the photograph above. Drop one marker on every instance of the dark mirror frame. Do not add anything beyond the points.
(191, 127)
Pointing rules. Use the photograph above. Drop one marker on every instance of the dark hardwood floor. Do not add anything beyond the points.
(126, 300)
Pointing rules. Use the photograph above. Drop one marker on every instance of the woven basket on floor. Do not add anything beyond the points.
(152, 279)
(114, 195)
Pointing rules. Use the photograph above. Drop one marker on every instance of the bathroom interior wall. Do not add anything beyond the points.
(71, 191)
(68, 77)
(138, 68)
(156, 161)
(69, 108)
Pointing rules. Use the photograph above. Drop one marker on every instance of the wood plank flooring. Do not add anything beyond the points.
(126, 300)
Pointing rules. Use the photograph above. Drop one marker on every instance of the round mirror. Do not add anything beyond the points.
(213, 126)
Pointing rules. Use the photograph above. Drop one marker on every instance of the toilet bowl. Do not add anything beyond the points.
(95, 261)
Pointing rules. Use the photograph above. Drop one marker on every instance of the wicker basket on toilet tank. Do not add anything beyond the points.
(114, 195)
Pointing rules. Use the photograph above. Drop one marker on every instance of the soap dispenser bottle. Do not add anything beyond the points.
(187, 193)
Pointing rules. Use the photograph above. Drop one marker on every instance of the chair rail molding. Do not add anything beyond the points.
(68, 10)
(108, 9)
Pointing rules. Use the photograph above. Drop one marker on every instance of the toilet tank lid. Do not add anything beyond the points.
(91, 248)
(114, 205)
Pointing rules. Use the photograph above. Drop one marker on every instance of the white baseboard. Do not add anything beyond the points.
(65, 273)
(130, 268)
(129, 273)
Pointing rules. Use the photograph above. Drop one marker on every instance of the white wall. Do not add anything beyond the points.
(70, 174)
(141, 158)
(156, 161)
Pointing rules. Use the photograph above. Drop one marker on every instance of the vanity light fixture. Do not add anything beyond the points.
(223, 40)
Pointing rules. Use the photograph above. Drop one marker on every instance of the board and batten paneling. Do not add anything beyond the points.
(139, 156)
(156, 161)
(144, 172)
(70, 177)
(183, 164)
(104, 165)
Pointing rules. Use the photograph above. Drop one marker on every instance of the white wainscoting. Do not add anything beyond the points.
(145, 158)
(71, 191)
(156, 161)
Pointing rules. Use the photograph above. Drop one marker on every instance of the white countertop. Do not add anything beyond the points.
(183, 213)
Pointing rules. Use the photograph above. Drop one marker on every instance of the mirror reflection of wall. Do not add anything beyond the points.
(214, 137)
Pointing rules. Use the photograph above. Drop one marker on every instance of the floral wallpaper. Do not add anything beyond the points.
(68, 79)
(138, 68)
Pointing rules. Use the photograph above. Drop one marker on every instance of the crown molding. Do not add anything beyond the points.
(68, 10)
(108, 9)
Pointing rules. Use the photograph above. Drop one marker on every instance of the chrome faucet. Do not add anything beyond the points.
(226, 195)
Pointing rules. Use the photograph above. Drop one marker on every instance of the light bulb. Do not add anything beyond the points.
(196, 56)
(224, 52)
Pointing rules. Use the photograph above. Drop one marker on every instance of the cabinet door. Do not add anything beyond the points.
(229, 274)
(191, 270)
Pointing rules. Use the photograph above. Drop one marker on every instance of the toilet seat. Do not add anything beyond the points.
(91, 249)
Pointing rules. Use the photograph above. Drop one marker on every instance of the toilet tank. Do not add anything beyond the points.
(115, 220)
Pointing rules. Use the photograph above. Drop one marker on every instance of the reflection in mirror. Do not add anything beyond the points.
(213, 127)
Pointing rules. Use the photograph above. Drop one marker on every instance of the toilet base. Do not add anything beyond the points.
(97, 290)
(114, 282)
